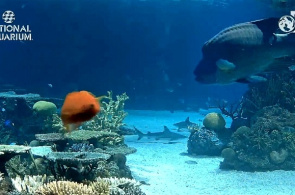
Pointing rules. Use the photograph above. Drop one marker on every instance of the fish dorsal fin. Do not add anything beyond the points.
(166, 129)
(267, 26)
(252, 79)
(148, 132)
(187, 120)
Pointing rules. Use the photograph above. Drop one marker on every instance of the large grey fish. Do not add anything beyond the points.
(184, 124)
(166, 134)
(245, 52)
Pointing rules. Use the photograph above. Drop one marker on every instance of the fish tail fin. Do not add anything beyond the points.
(139, 133)
(72, 126)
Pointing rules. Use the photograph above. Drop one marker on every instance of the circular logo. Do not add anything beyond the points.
(8, 16)
(287, 24)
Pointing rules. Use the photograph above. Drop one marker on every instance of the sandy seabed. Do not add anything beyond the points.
(167, 172)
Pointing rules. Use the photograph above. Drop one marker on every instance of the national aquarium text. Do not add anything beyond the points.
(15, 33)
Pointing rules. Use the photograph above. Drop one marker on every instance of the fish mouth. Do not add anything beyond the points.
(205, 71)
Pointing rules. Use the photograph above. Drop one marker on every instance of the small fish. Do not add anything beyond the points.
(245, 52)
(79, 107)
(3, 110)
(12, 143)
(191, 162)
(50, 85)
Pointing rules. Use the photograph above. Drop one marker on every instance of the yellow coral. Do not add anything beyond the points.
(64, 188)
(100, 187)
(214, 121)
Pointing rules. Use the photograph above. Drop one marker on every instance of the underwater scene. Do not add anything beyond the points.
(147, 97)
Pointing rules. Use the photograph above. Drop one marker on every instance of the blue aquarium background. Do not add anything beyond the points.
(155, 129)
(147, 49)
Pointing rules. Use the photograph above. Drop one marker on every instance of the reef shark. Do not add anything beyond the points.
(166, 134)
(184, 124)
(246, 53)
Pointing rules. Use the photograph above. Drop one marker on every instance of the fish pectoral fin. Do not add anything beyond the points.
(225, 65)
(252, 79)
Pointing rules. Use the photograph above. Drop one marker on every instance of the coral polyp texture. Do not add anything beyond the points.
(29, 184)
(42, 185)
(214, 121)
(64, 188)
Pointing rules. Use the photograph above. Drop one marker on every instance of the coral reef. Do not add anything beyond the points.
(53, 123)
(235, 111)
(122, 186)
(6, 186)
(29, 184)
(96, 150)
(44, 185)
(204, 142)
(81, 147)
(50, 137)
(214, 121)
(77, 166)
(18, 116)
(9, 151)
(277, 90)
(97, 138)
(100, 187)
(64, 188)
(267, 145)
(111, 115)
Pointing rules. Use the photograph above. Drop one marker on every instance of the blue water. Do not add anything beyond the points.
(148, 49)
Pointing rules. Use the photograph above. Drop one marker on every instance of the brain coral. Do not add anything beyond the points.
(214, 121)
(45, 108)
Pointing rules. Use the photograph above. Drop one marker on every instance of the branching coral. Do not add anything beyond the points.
(43, 185)
(29, 184)
(53, 123)
(100, 187)
(111, 115)
(122, 186)
(64, 188)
